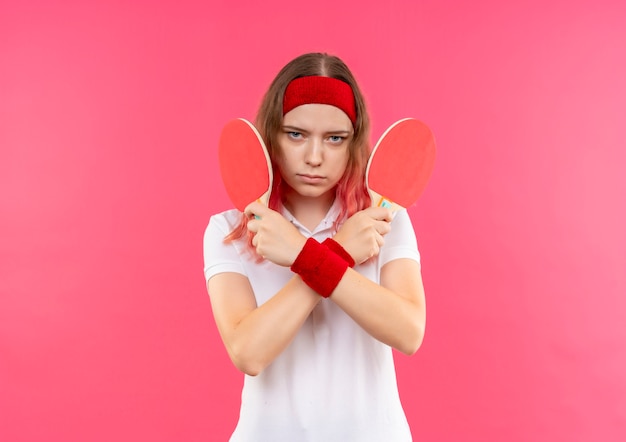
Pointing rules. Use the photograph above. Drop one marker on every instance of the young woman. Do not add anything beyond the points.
(311, 294)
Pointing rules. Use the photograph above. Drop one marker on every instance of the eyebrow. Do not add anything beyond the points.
(330, 132)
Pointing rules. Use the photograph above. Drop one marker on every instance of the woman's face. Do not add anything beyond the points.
(313, 144)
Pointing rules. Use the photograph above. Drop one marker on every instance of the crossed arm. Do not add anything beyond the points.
(392, 312)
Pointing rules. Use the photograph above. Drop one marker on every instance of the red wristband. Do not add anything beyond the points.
(319, 267)
(339, 250)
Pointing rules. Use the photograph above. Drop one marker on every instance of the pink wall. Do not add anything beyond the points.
(109, 116)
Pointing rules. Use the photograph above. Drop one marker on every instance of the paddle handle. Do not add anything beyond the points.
(379, 200)
(264, 199)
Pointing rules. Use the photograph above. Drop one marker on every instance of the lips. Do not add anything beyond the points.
(311, 179)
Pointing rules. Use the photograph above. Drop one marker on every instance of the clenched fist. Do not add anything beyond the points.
(362, 234)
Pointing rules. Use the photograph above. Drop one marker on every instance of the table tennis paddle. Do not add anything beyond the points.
(244, 164)
(400, 164)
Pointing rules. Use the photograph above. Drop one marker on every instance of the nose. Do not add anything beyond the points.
(314, 152)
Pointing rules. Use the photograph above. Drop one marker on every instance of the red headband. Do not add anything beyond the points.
(320, 90)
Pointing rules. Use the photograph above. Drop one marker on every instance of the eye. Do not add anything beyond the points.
(336, 139)
(294, 135)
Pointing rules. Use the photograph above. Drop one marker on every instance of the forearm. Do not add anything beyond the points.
(394, 314)
(264, 332)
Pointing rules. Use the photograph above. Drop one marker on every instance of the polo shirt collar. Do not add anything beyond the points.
(325, 224)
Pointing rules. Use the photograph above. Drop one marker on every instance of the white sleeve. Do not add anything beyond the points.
(220, 257)
(400, 242)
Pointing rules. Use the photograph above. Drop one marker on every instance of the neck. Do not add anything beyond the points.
(310, 211)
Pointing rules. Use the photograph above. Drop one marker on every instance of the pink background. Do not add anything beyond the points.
(109, 116)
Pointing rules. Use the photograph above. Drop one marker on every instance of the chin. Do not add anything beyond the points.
(311, 193)
(318, 193)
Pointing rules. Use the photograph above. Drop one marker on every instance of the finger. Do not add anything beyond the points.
(255, 209)
(387, 215)
(375, 250)
(253, 225)
(380, 213)
(383, 227)
(380, 241)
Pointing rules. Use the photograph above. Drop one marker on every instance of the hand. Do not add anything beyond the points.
(275, 238)
(362, 234)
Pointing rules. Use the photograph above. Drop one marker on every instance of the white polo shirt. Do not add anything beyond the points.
(334, 382)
